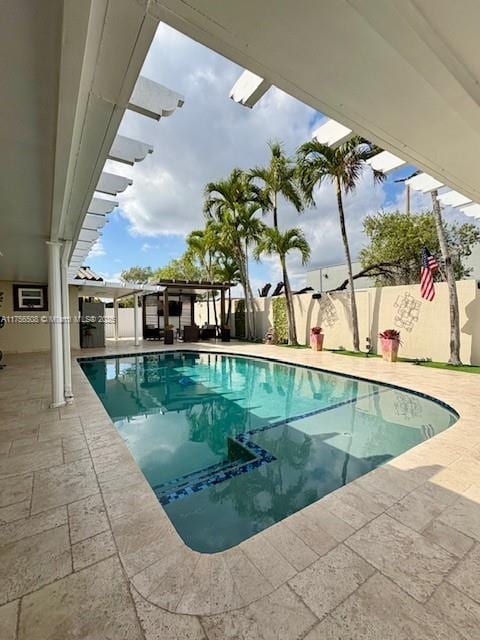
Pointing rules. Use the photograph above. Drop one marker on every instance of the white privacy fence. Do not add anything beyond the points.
(125, 323)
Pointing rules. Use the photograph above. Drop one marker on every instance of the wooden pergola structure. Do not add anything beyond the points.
(177, 300)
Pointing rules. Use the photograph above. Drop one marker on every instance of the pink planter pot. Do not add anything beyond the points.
(316, 341)
(389, 349)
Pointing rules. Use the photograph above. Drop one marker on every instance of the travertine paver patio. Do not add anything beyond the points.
(86, 550)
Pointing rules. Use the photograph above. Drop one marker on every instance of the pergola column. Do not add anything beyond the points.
(67, 363)
(55, 315)
(165, 309)
(115, 318)
(135, 318)
(192, 310)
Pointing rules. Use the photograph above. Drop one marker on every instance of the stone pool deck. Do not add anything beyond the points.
(86, 550)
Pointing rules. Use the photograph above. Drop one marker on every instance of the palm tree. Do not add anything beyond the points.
(342, 166)
(274, 242)
(201, 244)
(227, 270)
(279, 178)
(452, 285)
(231, 206)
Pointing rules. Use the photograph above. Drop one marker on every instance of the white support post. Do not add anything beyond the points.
(55, 314)
(135, 318)
(115, 317)
(67, 363)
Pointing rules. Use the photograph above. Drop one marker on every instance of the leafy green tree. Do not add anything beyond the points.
(343, 166)
(183, 268)
(202, 245)
(137, 274)
(278, 178)
(398, 238)
(274, 242)
(226, 270)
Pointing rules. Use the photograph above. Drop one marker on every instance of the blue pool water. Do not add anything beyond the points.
(231, 445)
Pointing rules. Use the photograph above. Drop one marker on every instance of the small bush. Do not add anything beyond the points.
(280, 320)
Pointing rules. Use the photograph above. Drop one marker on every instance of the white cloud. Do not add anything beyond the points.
(149, 247)
(97, 249)
(201, 142)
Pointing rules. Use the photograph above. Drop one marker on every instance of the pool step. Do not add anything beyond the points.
(246, 455)
(192, 479)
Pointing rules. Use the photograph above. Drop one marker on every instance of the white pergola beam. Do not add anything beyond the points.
(453, 198)
(385, 162)
(332, 133)
(100, 206)
(471, 210)
(153, 100)
(112, 184)
(423, 182)
(94, 221)
(88, 235)
(248, 89)
(128, 150)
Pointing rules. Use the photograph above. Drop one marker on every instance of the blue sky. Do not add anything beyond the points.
(203, 141)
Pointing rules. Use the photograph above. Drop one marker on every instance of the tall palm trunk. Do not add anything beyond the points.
(292, 329)
(244, 282)
(229, 312)
(251, 305)
(353, 301)
(452, 285)
(275, 209)
(210, 276)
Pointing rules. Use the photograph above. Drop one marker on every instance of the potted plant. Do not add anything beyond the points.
(270, 336)
(390, 341)
(168, 337)
(316, 338)
(225, 333)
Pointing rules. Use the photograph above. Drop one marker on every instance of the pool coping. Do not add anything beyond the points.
(197, 598)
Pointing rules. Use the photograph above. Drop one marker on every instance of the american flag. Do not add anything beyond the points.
(427, 270)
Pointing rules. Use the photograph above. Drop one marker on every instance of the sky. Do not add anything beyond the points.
(202, 142)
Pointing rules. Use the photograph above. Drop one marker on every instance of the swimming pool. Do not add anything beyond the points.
(231, 445)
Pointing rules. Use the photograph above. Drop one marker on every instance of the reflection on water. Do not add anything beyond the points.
(177, 410)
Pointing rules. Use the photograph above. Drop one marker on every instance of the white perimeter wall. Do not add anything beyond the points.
(125, 323)
(424, 326)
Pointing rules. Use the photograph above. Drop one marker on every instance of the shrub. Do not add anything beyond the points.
(280, 321)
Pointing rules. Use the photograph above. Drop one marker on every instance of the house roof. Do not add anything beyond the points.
(85, 273)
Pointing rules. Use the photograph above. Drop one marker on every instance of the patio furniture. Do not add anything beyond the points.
(208, 332)
(191, 333)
